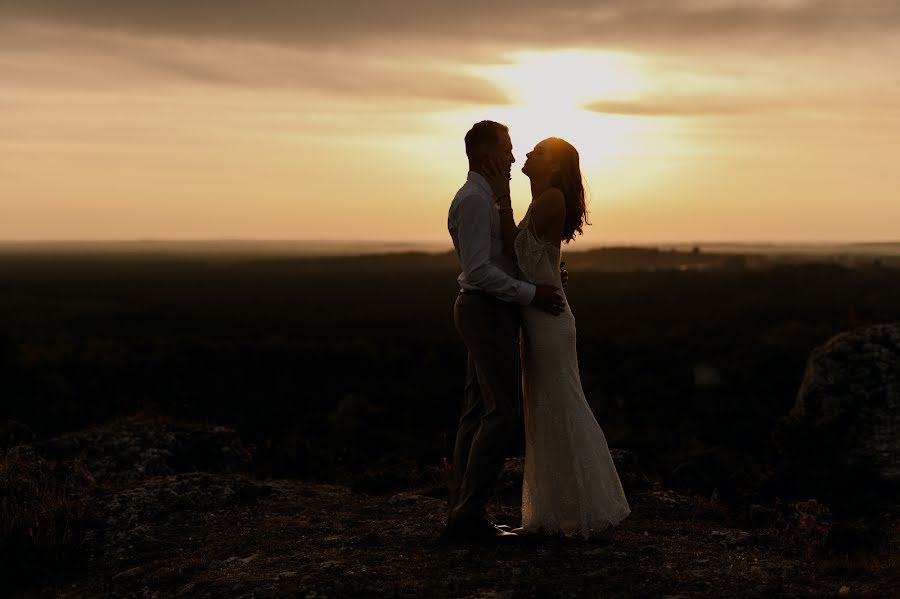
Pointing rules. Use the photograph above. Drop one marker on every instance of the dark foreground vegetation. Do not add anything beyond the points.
(347, 371)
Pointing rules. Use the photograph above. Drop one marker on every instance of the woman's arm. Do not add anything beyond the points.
(499, 182)
(508, 228)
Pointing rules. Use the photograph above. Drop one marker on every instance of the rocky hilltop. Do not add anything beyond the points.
(147, 506)
(154, 508)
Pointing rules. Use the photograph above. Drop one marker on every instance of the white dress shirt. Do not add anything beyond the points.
(474, 225)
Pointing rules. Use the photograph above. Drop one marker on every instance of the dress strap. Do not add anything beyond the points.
(530, 225)
(533, 230)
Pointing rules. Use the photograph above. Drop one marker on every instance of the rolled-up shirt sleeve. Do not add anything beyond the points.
(473, 221)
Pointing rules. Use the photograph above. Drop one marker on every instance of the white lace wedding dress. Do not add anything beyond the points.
(571, 485)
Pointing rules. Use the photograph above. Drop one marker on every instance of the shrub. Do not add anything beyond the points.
(42, 513)
(808, 525)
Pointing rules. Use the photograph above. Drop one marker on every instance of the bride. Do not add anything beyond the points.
(571, 485)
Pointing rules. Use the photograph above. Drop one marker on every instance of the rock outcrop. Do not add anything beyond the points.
(135, 448)
(174, 522)
(846, 419)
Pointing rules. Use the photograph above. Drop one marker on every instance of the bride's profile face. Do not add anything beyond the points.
(540, 161)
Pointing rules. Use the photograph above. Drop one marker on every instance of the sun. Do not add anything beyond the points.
(550, 89)
(565, 79)
(549, 92)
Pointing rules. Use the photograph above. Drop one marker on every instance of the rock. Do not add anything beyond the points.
(132, 516)
(208, 449)
(135, 448)
(846, 418)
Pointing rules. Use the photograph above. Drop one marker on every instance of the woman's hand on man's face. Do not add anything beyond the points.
(497, 177)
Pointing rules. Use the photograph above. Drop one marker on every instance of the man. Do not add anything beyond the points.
(486, 315)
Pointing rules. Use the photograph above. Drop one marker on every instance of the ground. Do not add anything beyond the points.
(201, 534)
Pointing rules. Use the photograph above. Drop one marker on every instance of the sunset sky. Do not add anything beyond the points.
(697, 120)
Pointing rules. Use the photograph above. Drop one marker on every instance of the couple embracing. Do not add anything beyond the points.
(513, 316)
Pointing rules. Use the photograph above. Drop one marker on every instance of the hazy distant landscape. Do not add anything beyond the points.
(347, 370)
(302, 248)
(281, 345)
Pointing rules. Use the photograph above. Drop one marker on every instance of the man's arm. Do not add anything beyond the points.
(474, 235)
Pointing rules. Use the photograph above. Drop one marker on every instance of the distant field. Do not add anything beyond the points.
(356, 358)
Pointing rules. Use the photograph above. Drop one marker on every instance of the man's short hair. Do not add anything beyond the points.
(482, 135)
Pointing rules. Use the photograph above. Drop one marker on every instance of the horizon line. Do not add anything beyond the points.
(432, 242)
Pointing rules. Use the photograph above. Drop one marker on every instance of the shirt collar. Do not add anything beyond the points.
(479, 180)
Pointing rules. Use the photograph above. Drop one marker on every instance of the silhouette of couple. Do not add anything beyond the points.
(513, 317)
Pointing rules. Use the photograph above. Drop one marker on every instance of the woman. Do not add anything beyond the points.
(571, 485)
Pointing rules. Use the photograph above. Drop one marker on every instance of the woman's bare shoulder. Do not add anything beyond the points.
(550, 202)
(547, 214)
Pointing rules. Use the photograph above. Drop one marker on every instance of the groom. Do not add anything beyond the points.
(486, 315)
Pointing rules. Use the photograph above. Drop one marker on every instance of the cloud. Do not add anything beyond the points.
(410, 51)
(357, 23)
(696, 107)
(676, 105)
(96, 60)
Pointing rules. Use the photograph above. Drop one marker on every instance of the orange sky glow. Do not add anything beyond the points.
(718, 120)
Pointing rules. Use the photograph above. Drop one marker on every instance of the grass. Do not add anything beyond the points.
(42, 515)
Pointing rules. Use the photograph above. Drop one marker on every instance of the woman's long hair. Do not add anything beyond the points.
(568, 179)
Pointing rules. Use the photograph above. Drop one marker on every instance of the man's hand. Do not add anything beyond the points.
(563, 274)
(547, 299)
